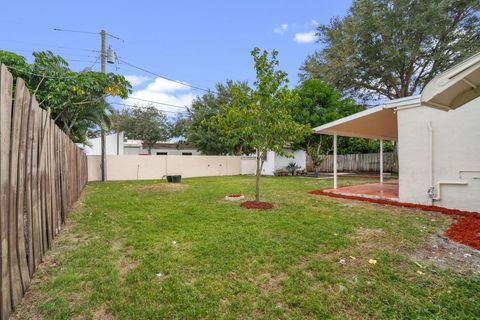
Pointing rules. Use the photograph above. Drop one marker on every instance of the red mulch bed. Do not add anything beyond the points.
(256, 205)
(466, 230)
(235, 195)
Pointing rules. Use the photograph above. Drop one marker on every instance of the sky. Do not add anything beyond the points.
(196, 42)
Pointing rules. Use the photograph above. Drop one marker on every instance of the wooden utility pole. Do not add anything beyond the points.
(103, 59)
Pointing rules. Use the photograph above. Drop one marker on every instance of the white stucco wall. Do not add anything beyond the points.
(248, 165)
(146, 167)
(274, 162)
(111, 145)
(456, 146)
(269, 164)
(299, 157)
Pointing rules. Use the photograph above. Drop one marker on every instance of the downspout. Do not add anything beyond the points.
(431, 189)
(435, 193)
(335, 179)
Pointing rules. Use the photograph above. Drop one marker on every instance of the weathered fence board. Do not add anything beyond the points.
(368, 162)
(42, 173)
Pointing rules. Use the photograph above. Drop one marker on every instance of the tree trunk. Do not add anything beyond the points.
(257, 178)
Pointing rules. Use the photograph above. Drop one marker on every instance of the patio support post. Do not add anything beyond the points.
(335, 161)
(381, 160)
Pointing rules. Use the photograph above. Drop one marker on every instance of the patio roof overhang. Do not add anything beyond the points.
(374, 123)
(454, 87)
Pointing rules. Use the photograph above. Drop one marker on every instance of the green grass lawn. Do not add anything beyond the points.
(308, 258)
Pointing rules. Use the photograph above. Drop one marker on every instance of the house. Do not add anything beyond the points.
(114, 145)
(438, 136)
(160, 149)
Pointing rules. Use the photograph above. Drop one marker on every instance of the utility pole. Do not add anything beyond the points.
(103, 59)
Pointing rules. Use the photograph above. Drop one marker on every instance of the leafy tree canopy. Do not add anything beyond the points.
(145, 123)
(261, 115)
(392, 48)
(206, 138)
(76, 99)
(318, 104)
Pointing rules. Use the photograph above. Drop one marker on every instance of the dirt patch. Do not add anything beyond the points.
(444, 253)
(163, 187)
(125, 262)
(256, 205)
(269, 282)
(102, 314)
(436, 250)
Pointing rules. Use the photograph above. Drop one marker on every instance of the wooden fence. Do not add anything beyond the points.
(42, 173)
(368, 162)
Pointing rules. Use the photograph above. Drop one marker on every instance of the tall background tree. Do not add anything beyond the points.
(195, 126)
(318, 103)
(76, 100)
(392, 48)
(261, 115)
(145, 123)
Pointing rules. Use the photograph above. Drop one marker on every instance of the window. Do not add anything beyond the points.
(162, 153)
(186, 153)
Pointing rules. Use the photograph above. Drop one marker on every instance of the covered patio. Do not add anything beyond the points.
(378, 123)
(387, 190)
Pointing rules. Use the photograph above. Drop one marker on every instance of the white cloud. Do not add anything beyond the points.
(136, 80)
(281, 29)
(161, 90)
(305, 37)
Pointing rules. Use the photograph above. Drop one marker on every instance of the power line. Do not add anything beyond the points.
(142, 107)
(164, 77)
(89, 61)
(162, 103)
(88, 32)
(75, 31)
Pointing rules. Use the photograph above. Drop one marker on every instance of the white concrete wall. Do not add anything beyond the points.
(145, 167)
(110, 142)
(456, 146)
(249, 165)
(269, 164)
(298, 156)
(274, 162)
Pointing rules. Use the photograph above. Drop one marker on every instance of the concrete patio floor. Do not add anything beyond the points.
(387, 190)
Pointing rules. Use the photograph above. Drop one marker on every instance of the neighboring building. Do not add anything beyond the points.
(274, 162)
(114, 145)
(160, 149)
(438, 151)
(117, 145)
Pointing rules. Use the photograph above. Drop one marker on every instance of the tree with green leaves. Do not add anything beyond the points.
(76, 100)
(261, 115)
(196, 129)
(393, 48)
(318, 103)
(145, 123)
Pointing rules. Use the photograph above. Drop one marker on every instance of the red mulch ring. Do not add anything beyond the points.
(466, 230)
(235, 195)
(257, 205)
